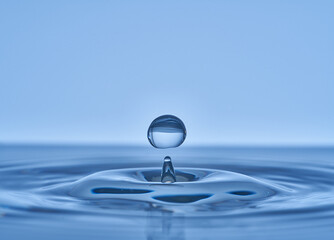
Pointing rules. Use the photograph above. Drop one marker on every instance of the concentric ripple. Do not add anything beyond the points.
(205, 188)
(215, 188)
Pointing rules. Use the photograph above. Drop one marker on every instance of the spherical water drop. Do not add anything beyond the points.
(166, 131)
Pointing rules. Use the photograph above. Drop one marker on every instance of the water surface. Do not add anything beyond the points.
(38, 197)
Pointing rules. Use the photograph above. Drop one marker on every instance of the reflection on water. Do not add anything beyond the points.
(162, 225)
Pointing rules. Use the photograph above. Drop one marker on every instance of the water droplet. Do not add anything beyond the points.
(168, 173)
(166, 131)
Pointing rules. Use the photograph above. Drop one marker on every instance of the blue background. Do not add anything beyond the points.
(236, 72)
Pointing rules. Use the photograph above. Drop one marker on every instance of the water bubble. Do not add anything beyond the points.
(166, 131)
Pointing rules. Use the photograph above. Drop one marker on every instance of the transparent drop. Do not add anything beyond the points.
(168, 173)
(166, 131)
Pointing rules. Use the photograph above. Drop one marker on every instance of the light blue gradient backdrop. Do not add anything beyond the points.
(236, 72)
